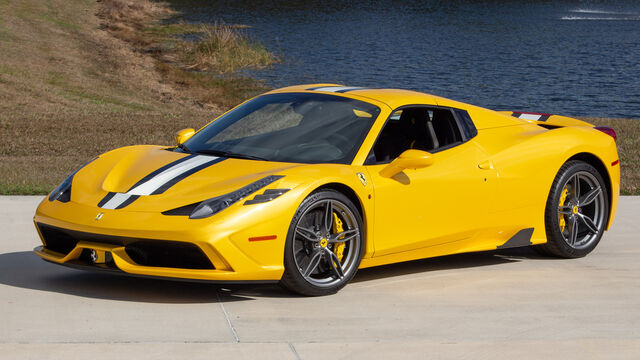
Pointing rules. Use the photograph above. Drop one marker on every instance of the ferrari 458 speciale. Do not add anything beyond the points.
(306, 184)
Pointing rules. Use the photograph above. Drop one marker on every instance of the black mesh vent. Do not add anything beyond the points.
(171, 254)
(146, 252)
(57, 240)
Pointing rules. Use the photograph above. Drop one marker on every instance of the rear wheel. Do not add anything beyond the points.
(576, 212)
(324, 245)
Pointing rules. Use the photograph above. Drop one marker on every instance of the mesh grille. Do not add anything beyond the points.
(57, 240)
(168, 254)
(146, 252)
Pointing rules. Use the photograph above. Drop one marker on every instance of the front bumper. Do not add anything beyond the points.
(112, 269)
(156, 245)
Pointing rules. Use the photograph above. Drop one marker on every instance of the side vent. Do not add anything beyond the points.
(266, 196)
(182, 211)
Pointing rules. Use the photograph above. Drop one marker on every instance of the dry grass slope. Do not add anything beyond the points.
(70, 90)
(202, 69)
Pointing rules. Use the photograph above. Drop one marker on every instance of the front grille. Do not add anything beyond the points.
(56, 239)
(146, 252)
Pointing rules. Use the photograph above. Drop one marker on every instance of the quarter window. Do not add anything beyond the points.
(468, 128)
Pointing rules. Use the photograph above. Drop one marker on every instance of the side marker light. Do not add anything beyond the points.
(263, 238)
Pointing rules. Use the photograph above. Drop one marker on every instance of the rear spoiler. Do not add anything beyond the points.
(547, 120)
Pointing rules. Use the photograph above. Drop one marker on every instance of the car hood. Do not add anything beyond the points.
(153, 178)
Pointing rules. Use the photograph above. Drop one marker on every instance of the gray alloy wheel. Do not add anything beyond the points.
(583, 211)
(324, 244)
(577, 211)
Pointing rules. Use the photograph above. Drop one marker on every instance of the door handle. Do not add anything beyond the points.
(486, 165)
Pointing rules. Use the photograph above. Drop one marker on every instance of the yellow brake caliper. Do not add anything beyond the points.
(563, 197)
(338, 248)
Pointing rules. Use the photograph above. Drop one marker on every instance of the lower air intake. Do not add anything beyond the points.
(57, 240)
(145, 252)
(170, 254)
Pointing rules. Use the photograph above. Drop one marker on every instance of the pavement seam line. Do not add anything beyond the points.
(293, 350)
(226, 316)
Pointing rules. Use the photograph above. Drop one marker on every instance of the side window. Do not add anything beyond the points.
(468, 127)
(423, 128)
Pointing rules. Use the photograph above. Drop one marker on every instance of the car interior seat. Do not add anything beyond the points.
(412, 131)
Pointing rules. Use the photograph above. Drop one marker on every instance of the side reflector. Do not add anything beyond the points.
(615, 163)
(609, 131)
(263, 238)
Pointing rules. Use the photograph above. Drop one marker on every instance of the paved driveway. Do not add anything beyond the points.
(510, 304)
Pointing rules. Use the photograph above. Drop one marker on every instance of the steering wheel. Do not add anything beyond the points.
(340, 141)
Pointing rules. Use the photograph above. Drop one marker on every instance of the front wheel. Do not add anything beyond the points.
(577, 211)
(324, 245)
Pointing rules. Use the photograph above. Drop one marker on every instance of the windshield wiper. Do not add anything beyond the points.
(184, 148)
(229, 154)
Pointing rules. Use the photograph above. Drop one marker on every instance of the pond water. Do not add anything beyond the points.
(578, 58)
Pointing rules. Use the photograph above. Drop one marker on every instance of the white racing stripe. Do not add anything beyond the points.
(336, 88)
(148, 187)
(153, 184)
(534, 117)
(116, 200)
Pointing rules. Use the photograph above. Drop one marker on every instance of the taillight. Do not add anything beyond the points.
(609, 131)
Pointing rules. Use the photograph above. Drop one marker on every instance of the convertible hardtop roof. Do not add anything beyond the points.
(391, 97)
(395, 98)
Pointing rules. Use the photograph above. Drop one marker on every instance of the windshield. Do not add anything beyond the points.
(291, 127)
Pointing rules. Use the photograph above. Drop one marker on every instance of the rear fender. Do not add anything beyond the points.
(527, 168)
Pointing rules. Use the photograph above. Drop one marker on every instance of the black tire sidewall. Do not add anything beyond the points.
(556, 244)
(292, 279)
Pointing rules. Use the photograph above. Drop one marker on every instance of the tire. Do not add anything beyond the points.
(575, 222)
(323, 266)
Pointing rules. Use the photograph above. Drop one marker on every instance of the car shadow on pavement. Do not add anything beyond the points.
(26, 270)
(449, 262)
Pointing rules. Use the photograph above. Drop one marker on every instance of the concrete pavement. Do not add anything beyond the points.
(494, 305)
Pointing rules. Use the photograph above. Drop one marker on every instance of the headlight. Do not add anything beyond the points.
(217, 204)
(63, 191)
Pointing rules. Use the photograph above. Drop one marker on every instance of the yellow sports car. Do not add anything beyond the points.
(306, 184)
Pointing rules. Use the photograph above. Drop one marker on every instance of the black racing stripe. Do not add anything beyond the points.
(106, 199)
(131, 199)
(176, 179)
(544, 118)
(347, 90)
(317, 87)
(516, 114)
(158, 171)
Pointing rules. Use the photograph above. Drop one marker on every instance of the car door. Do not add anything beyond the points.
(440, 203)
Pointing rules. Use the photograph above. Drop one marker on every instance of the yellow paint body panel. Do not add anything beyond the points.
(474, 197)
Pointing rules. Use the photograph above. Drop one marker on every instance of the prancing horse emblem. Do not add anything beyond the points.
(362, 178)
(99, 216)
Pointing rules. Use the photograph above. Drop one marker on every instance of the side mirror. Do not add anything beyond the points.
(184, 135)
(410, 159)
